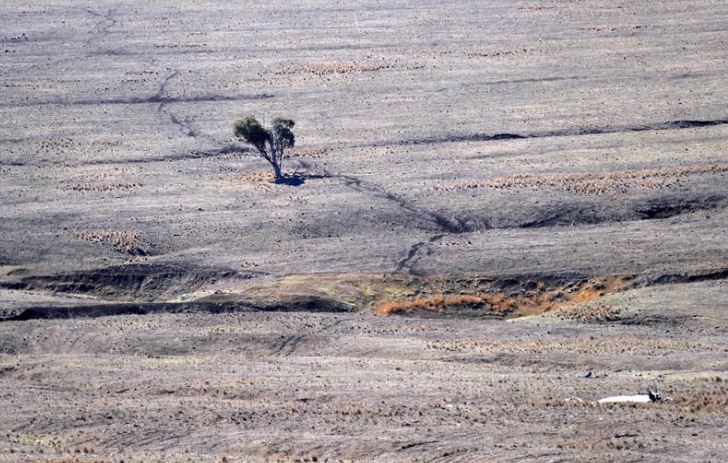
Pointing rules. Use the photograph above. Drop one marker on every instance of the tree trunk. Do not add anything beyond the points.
(277, 171)
(275, 161)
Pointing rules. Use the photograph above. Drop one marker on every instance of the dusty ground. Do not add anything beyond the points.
(558, 167)
(257, 386)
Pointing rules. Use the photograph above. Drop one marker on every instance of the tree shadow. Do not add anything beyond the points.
(291, 181)
(297, 179)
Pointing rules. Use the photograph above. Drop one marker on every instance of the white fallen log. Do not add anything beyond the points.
(635, 399)
(638, 399)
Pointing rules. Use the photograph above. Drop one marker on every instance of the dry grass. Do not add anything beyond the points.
(101, 187)
(573, 295)
(498, 53)
(536, 301)
(72, 460)
(309, 152)
(256, 177)
(593, 183)
(54, 145)
(257, 180)
(392, 295)
(143, 75)
(180, 45)
(590, 313)
(439, 302)
(615, 443)
(354, 289)
(122, 241)
(323, 69)
(614, 28)
(612, 345)
(713, 402)
(537, 7)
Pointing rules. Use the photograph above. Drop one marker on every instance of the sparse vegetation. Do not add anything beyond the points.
(123, 241)
(324, 69)
(101, 187)
(440, 302)
(509, 212)
(593, 183)
(591, 312)
(271, 142)
(714, 402)
(537, 300)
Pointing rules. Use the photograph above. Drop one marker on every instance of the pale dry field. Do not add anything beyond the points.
(498, 198)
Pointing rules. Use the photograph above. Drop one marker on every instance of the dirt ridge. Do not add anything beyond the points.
(302, 304)
(139, 281)
(677, 124)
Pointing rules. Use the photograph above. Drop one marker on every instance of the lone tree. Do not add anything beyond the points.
(271, 142)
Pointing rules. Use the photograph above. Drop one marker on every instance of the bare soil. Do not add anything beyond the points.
(495, 206)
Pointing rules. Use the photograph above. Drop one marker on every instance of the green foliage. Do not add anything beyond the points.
(250, 130)
(271, 142)
(282, 133)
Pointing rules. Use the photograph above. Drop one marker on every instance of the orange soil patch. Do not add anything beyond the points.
(537, 301)
(387, 296)
(540, 301)
(436, 302)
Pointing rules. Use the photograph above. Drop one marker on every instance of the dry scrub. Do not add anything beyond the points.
(527, 302)
(122, 241)
(73, 460)
(587, 346)
(101, 187)
(255, 177)
(136, 77)
(537, 7)
(314, 153)
(257, 180)
(590, 313)
(614, 28)
(435, 303)
(324, 69)
(593, 183)
(54, 145)
(713, 401)
(499, 53)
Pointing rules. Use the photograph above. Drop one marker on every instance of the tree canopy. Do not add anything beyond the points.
(271, 142)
